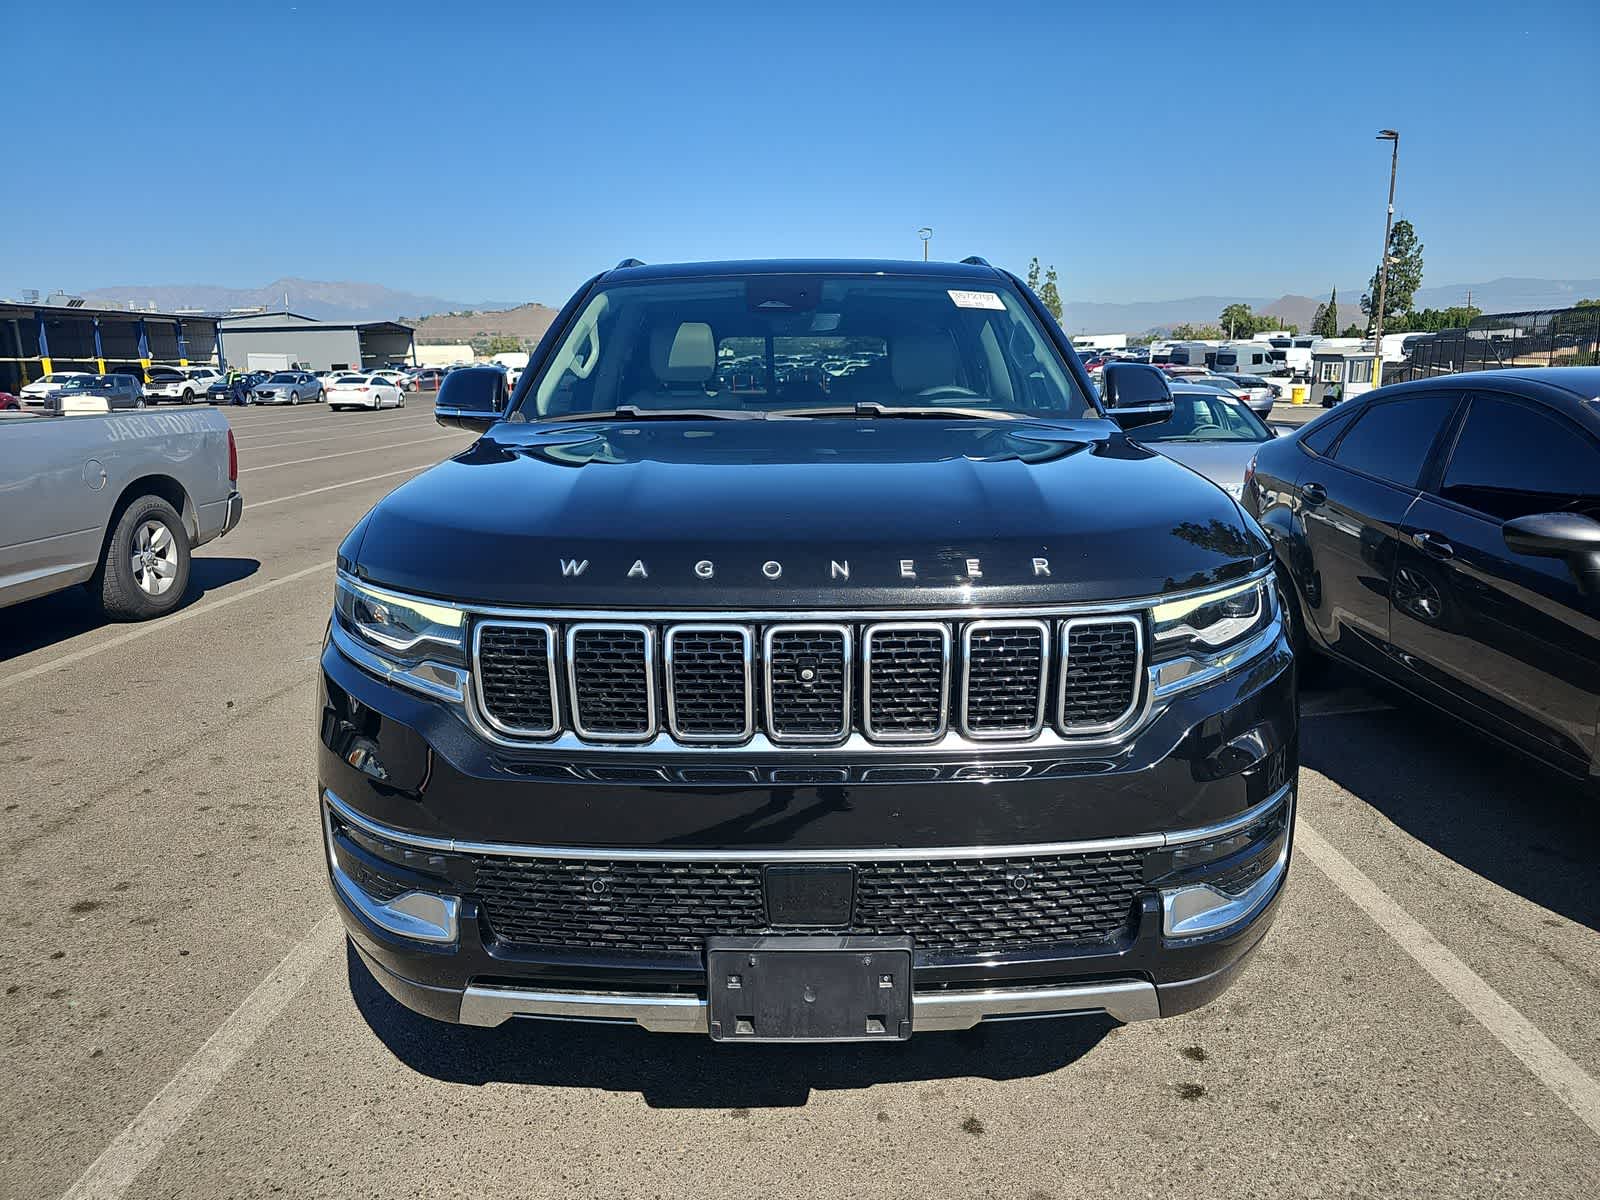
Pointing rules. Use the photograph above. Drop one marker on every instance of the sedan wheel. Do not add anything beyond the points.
(138, 403)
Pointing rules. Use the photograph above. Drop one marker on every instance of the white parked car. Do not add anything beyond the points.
(40, 390)
(400, 379)
(365, 391)
(183, 384)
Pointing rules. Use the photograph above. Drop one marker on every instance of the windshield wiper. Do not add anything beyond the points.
(632, 412)
(871, 408)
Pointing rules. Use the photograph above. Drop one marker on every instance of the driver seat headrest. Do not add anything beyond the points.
(918, 361)
(687, 354)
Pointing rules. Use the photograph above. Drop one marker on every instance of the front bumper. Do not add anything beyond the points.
(409, 772)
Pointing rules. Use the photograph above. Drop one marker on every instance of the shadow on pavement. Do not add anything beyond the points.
(1500, 815)
(670, 1070)
(50, 619)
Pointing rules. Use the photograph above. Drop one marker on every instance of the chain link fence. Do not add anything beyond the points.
(1561, 337)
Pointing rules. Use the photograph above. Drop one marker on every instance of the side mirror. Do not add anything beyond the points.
(1571, 536)
(471, 398)
(1136, 394)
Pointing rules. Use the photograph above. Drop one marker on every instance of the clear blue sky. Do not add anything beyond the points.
(508, 150)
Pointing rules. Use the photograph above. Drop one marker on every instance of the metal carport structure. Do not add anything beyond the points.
(36, 339)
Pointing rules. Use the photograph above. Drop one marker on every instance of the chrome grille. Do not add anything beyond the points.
(906, 669)
(517, 677)
(799, 682)
(808, 682)
(611, 674)
(709, 689)
(1007, 663)
(1099, 672)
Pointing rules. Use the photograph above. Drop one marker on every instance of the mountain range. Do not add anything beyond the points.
(374, 302)
(325, 300)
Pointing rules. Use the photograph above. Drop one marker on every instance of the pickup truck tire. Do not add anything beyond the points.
(145, 570)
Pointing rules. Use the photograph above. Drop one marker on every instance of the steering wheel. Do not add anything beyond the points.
(947, 391)
(1208, 427)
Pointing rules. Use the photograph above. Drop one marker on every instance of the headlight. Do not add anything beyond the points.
(413, 641)
(1208, 622)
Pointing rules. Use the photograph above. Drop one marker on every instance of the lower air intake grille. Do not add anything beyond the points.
(1099, 672)
(957, 905)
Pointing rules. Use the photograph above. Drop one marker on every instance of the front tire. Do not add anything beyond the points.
(144, 571)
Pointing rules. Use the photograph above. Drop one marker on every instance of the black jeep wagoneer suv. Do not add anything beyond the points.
(803, 652)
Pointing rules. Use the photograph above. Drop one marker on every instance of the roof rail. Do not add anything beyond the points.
(629, 262)
(972, 260)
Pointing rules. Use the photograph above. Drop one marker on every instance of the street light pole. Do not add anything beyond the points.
(926, 234)
(1393, 136)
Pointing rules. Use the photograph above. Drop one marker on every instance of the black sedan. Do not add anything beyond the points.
(1445, 535)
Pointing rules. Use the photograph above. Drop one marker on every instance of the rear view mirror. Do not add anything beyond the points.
(471, 398)
(1136, 394)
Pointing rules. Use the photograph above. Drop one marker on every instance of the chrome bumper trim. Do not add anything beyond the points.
(1143, 841)
(422, 916)
(1200, 909)
(234, 513)
(1123, 999)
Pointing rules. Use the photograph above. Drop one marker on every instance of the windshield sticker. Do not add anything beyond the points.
(977, 300)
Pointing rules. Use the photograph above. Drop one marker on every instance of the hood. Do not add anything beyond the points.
(792, 514)
(1221, 462)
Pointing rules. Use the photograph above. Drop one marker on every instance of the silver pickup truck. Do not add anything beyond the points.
(112, 500)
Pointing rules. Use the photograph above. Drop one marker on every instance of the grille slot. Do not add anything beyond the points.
(1006, 664)
(808, 669)
(611, 679)
(958, 905)
(906, 681)
(709, 689)
(1099, 672)
(516, 677)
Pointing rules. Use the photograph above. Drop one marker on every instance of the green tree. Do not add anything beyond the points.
(1587, 304)
(1043, 285)
(1353, 330)
(1431, 320)
(503, 343)
(1405, 276)
(1196, 333)
(1238, 320)
(1326, 322)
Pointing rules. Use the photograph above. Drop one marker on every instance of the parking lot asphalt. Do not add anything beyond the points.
(181, 1019)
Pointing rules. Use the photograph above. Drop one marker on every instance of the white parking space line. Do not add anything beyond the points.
(1570, 1084)
(137, 1146)
(295, 462)
(165, 623)
(259, 504)
(336, 436)
(355, 422)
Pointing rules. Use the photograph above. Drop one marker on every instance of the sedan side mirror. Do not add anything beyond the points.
(1136, 394)
(471, 398)
(1571, 536)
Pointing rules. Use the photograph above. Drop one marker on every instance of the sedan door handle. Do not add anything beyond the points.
(1432, 543)
(1314, 493)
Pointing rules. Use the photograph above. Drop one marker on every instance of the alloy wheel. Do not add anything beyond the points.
(154, 557)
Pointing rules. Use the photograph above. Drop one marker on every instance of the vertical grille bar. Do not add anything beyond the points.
(611, 681)
(1005, 666)
(905, 673)
(807, 672)
(710, 692)
(1101, 659)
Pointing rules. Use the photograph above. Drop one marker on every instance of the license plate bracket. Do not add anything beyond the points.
(809, 989)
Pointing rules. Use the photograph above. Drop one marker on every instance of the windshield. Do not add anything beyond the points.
(284, 377)
(1206, 418)
(770, 343)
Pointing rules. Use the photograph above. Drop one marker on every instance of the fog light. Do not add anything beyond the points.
(1203, 908)
(422, 916)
